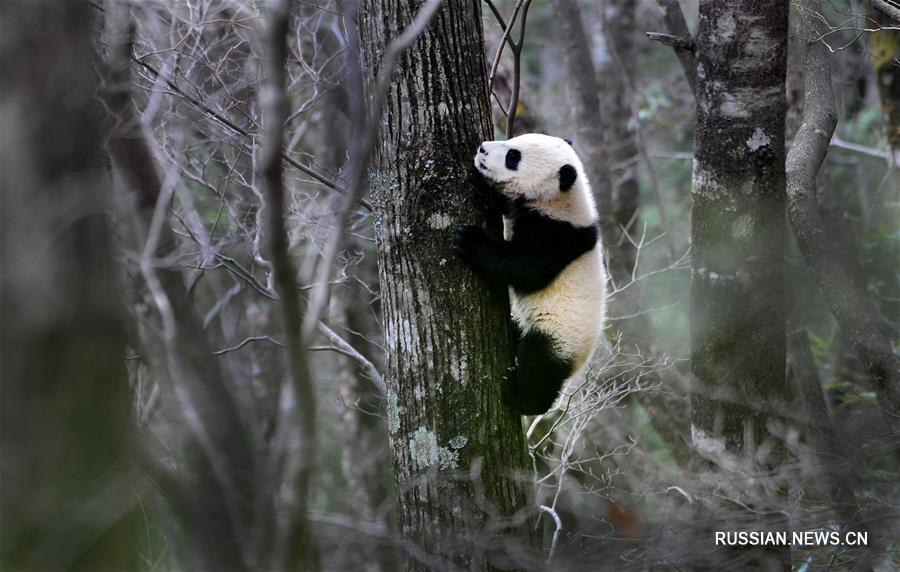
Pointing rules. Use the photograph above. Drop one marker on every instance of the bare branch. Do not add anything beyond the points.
(246, 341)
(889, 8)
(500, 20)
(678, 42)
(856, 147)
(295, 441)
(517, 73)
(680, 39)
(216, 116)
(503, 40)
(558, 524)
(351, 352)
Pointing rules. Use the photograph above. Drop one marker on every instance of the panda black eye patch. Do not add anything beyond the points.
(513, 156)
(567, 176)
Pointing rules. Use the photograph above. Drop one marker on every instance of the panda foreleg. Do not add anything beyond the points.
(501, 262)
(482, 253)
(515, 331)
(539, 375)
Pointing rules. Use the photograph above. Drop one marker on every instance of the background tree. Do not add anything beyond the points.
(738, 238)
(65, 426)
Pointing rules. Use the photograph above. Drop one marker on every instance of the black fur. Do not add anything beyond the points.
(567, 176)
(538, 377)
(540, 249)
(513, 156)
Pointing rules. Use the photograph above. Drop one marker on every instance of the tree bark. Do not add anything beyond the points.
(65, 426)
(446, 336)
(737, 289)
(737, 318)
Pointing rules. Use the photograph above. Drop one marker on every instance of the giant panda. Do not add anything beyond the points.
(550, 258)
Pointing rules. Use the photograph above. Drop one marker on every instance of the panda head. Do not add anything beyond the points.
(534, 168)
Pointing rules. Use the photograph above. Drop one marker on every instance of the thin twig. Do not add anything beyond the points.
(503, 40)
(517, 73)
(348, 350)
(500, 20)
(215, 115)
(680, 39)
(558, 522)
(246, 341)
(862, 149)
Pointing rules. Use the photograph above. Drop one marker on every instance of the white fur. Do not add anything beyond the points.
(572, 309)
(537, 176)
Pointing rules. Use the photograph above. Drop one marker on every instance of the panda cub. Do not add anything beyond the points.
(551, 259)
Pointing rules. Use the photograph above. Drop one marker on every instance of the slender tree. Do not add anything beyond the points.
(616, 71)
(455, 446)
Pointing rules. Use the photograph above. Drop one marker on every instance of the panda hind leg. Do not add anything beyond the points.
(539, 376)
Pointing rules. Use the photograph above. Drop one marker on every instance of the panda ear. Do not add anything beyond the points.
(569, 141)
(567, 176)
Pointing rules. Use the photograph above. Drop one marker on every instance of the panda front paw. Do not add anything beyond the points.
(467, 239)
(509, 392)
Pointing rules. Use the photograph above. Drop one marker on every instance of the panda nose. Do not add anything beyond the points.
(482, 150)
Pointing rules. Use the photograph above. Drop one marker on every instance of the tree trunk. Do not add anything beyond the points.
(738, 212)
(446, 336)
(68, 481)
(737, 316)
